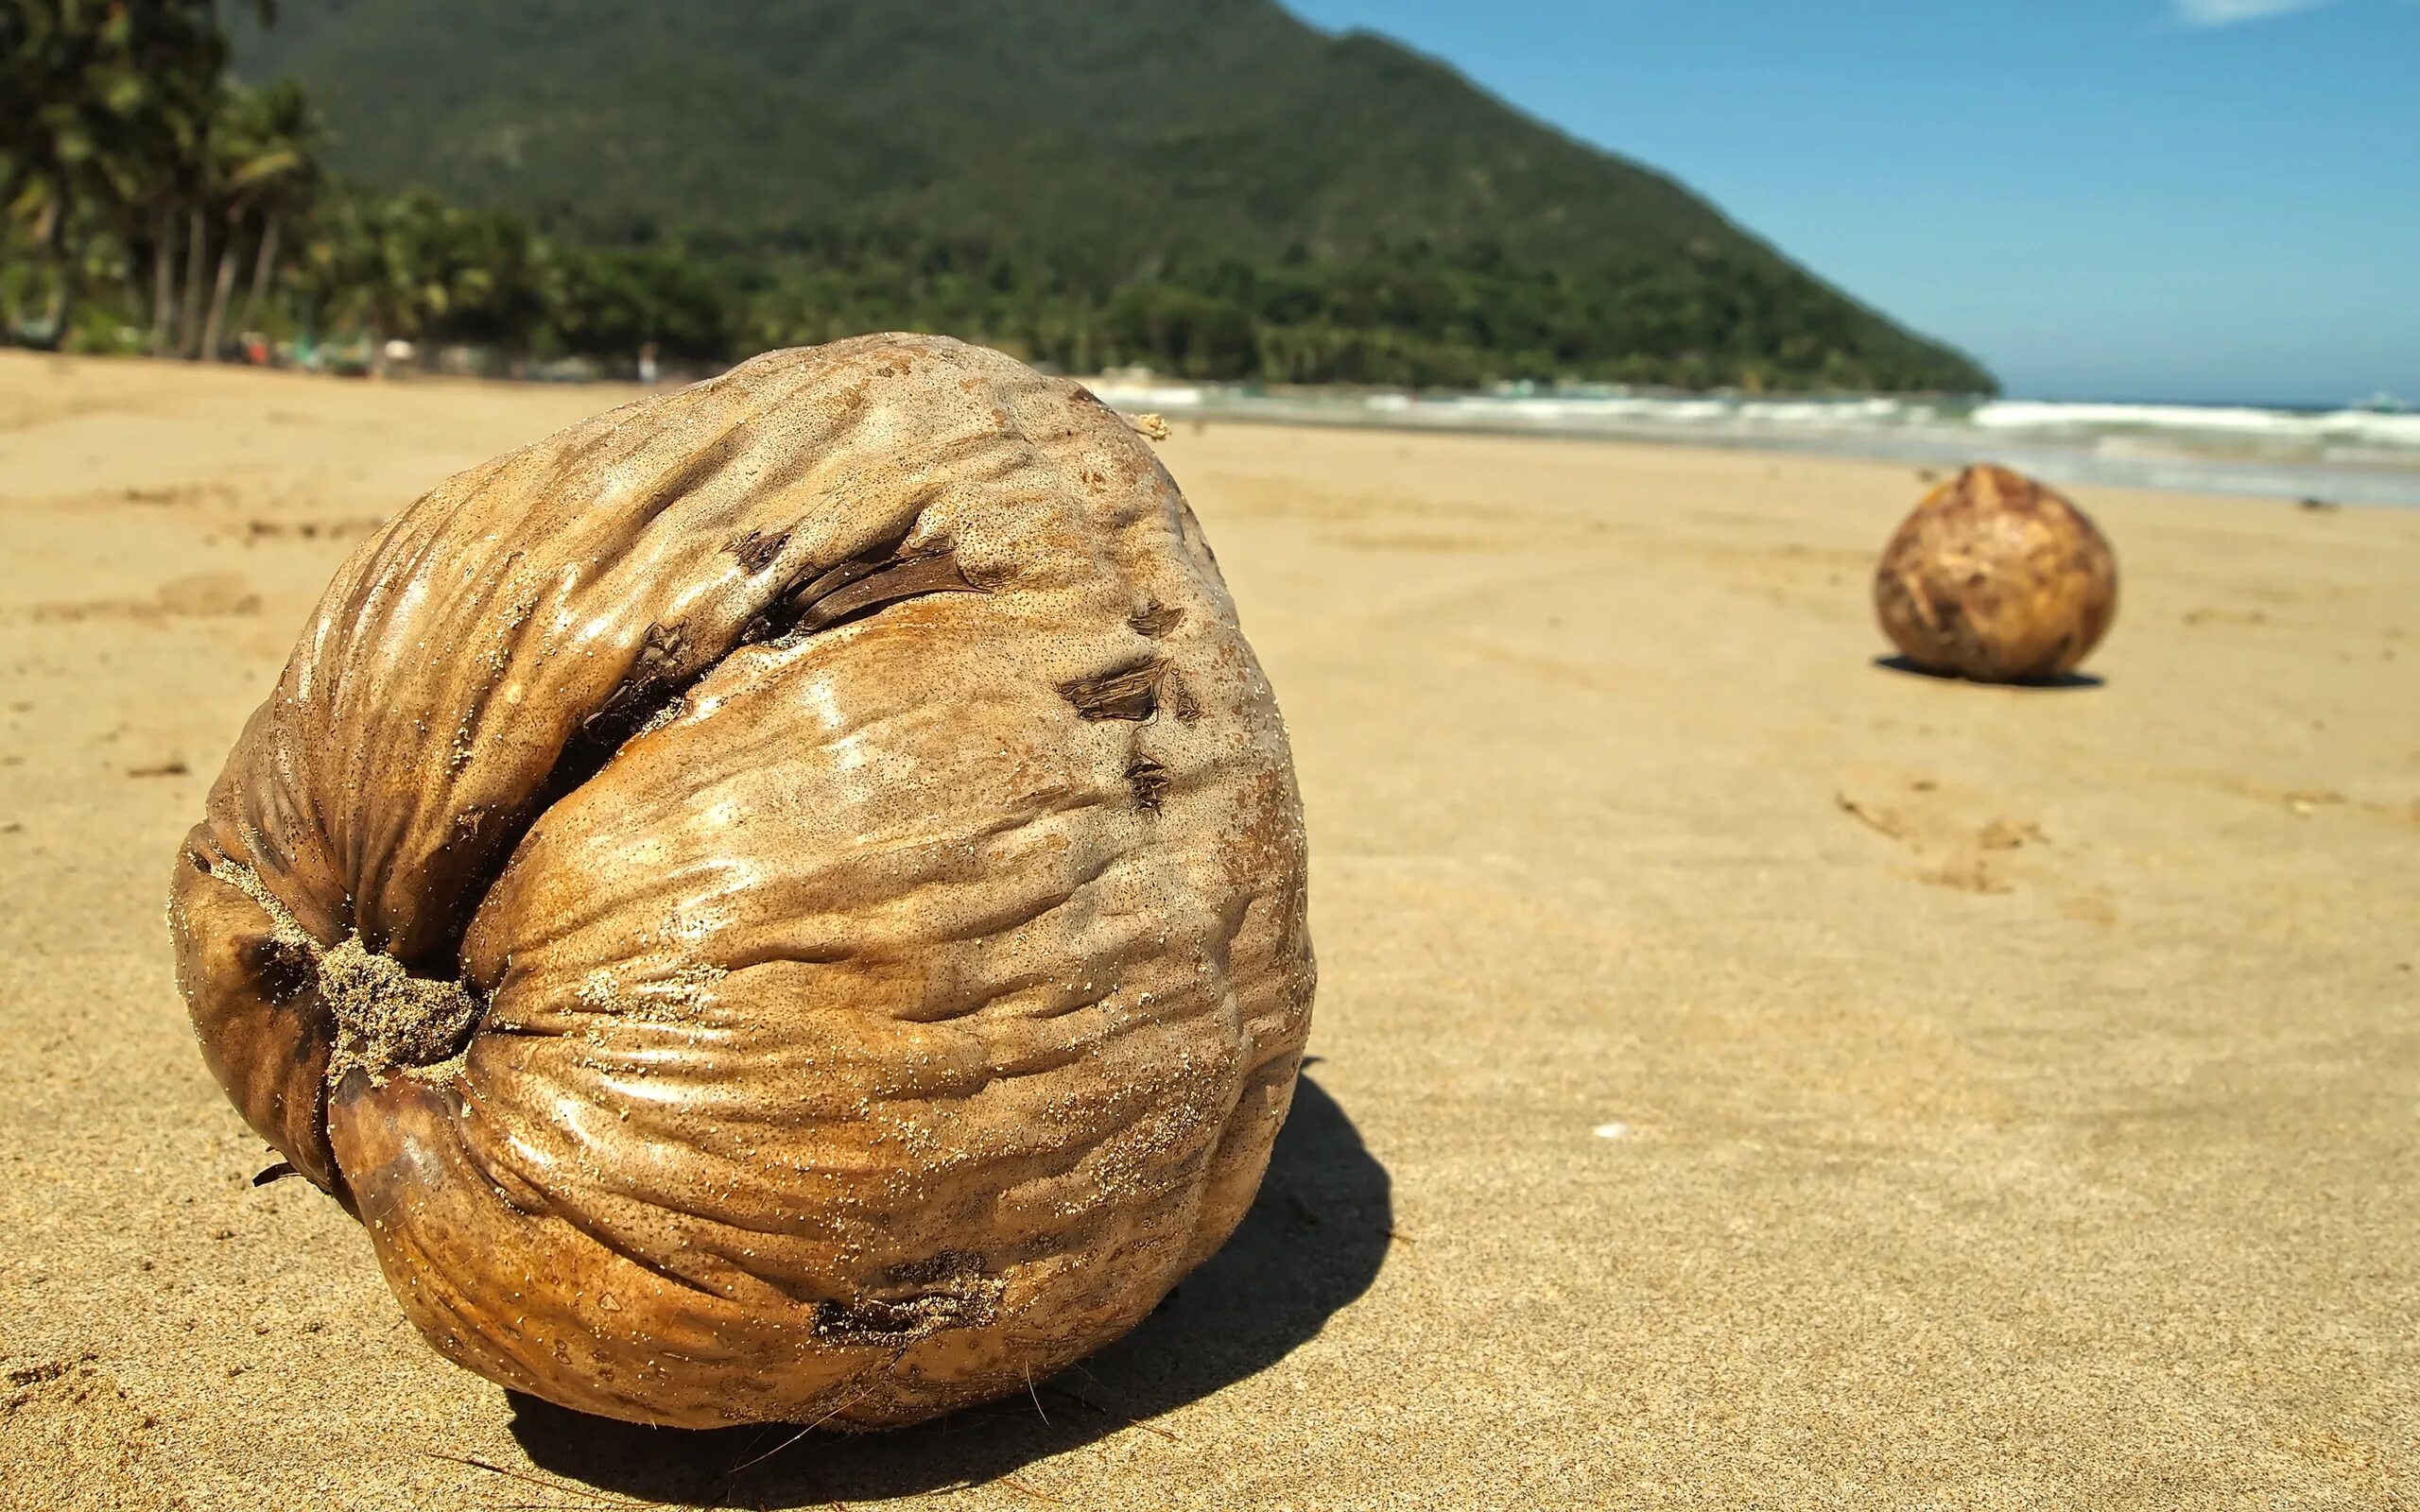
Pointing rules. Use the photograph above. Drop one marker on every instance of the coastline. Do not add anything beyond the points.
(2167, 448)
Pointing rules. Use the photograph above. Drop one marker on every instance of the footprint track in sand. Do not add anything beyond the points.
(1955, 852)
(351, 529)
(196, 595)
(2309, 803)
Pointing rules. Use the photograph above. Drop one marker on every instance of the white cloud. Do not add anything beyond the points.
(2228, 12)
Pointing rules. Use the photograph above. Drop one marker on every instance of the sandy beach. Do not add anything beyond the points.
(1745, 1074)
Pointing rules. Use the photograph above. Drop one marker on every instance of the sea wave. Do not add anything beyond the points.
(2352, 455)
(2360, 426)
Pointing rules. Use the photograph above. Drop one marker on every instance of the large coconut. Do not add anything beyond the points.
(783, 901)
(1996, 577)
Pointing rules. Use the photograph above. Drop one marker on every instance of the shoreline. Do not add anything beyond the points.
(2125, 459)
(2133, 458)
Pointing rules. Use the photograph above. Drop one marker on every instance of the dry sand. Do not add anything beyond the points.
(1747, 1076)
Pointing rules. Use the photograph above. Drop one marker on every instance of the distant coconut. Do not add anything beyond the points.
(1996, 577)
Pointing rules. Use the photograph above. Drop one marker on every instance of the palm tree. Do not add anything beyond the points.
(180, 174)
(98, 96)
(290, 192)
(69, 84)
(390, 267)
(265, 148)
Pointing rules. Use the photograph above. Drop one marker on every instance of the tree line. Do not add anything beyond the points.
(151, 202)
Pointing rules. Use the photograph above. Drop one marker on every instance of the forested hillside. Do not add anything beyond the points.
(1208, 186)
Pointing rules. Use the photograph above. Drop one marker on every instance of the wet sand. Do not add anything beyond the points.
(1746, 1074)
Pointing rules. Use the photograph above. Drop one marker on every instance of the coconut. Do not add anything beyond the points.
(782, 903)
(1997, 577)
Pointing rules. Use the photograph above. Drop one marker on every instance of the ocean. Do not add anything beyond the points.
(2351, 456)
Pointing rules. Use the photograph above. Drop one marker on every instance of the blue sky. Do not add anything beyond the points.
(2197, 200)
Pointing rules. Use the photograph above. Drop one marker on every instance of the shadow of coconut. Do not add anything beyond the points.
(2064, 680)
(1313, 1242)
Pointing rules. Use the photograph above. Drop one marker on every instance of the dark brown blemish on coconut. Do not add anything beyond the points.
(949, 1291)
(1149, 781)
(757, 550)
(1155, 619)
(1129, 693)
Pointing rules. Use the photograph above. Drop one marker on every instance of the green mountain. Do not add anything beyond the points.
(1095, 147)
